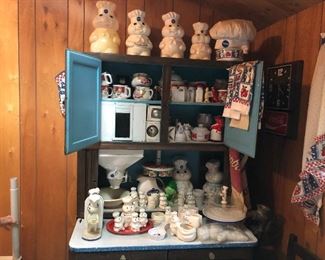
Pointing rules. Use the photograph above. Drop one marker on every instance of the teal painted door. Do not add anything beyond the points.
(83, 95)
(241, 140)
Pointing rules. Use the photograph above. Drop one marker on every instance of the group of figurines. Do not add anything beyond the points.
(232, 36)
(181, 213)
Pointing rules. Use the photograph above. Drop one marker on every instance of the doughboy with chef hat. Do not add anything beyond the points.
(200, 49)
(105, 37)
(232, 38)
(138, 42)
(172, 44)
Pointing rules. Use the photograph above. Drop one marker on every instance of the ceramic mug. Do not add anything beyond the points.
(106, 79)
(141, 79)
(120, 91)
(141, 92)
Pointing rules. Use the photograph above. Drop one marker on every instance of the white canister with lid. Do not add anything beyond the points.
(200, 134)
(199, 92)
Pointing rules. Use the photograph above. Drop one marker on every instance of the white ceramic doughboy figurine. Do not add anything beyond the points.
(172, 44)
(105, 37)
(138, 42)
(200, 49)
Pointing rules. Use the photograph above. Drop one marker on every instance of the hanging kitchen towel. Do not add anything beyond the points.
(243, 95)
(308, 193)
(240, 90)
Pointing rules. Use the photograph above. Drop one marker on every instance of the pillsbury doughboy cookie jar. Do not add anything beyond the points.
(172, 44)
(105, 37)
(138, 42)
(232, 38)
(200, 49)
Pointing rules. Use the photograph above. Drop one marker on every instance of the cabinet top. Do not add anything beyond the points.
(122, 58)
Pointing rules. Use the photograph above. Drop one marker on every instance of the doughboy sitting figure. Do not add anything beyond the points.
(172, 44)
(200, 49)
(105, 37)
(138, 42)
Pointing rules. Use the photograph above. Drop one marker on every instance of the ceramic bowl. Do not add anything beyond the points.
(113, 198)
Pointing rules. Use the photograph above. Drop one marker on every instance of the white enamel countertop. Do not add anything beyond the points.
(110, 242)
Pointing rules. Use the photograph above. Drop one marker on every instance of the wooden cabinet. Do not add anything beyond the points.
(203, 254)
(83, 127)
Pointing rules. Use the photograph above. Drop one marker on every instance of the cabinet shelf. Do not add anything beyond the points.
(196, 104)
(116, 100)
(208, 146)
(162, 61)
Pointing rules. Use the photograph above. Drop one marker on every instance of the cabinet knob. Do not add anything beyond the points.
(212, 256)
(122, 257)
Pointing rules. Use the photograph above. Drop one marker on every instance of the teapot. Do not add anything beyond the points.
(147, 184)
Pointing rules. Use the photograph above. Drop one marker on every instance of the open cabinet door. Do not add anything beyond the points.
(241, 140)
(83, 95)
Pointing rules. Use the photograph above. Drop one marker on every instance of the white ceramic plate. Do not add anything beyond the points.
(227, 214)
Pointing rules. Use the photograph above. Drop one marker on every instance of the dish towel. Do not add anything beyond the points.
(308, 193)
(240, 94)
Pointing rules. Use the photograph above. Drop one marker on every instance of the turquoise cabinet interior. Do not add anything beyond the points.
(83, 104)
(83, 95)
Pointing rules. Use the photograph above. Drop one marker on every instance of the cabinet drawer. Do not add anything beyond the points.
(135, 255)
(212, 254)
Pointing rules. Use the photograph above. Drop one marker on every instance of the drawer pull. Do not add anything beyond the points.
(212, 256)
(122, 257)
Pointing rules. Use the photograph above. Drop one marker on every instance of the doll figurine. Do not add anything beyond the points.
(200, 49)
(138, 42)
(105, 37)
(172, 44)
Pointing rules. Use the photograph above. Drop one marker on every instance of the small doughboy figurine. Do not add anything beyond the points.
(138, 42)
(105, 37)
(200, 49)
(172, 44)
(118, 222)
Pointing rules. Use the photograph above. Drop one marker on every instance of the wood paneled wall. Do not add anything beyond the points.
(278, 161)
(9, 111)
(34, 36)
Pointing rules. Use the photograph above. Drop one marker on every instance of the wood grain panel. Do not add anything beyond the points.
(154, 10)
(309, 51)
(190, 13)
(90, 13)
(75, 41)
(321, 233)
(28, 135)
(51, 215)
(134, 4)
(9, 111)
(290, 38)
(122, 19)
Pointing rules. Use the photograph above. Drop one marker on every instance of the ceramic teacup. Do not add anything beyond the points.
(120, 91)
(144, 93)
